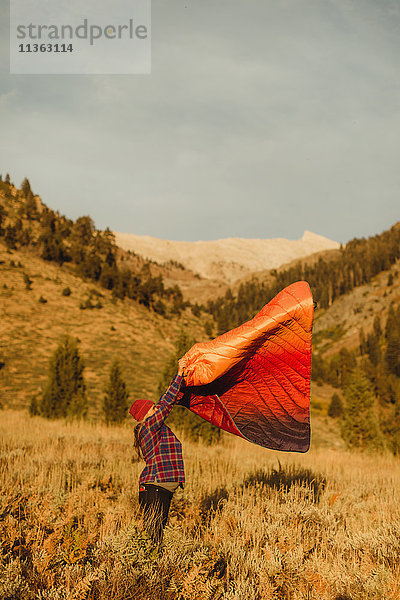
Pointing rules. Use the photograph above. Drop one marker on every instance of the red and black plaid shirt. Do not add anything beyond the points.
(161, 449)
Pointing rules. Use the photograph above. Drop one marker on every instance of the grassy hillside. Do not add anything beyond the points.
(30, 330)
(340, 325)
(26, 221)
(319, 526)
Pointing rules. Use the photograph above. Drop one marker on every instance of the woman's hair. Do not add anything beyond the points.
(136, 440)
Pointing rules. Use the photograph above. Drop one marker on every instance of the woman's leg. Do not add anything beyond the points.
(155, 503)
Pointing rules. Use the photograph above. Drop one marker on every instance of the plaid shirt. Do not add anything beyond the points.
(161, 449)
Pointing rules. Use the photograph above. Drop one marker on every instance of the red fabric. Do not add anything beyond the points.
(254, 381)
(140, 408)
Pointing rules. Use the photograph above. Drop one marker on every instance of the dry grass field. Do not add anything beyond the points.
(250, 524)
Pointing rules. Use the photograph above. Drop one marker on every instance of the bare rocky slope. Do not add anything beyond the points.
(229, 259)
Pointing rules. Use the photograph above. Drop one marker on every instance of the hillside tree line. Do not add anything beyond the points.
(92, 252)
(368, 382)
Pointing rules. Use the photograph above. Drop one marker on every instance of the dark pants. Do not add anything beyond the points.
(155, 502)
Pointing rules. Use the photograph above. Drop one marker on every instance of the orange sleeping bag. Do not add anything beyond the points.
(254, 381)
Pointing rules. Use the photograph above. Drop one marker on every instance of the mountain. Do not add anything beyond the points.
(229, 259)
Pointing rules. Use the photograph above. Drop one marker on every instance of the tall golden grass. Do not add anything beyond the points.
(250, 524)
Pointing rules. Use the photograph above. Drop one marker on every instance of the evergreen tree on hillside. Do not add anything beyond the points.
(108, 276)
(385, 384)
(65, 391)
(2, 218)
(391, 320)
(363, 342)
(90, 266)
(115, 402)
(347, 362)
(10, 237)
(83, 230)
(377, 327)
(53, 249)
(30, 207)
(360, 425)
(335, 408)
(26, 187)
(392, 333)
(373, 348)
(392, 427)
(318, 368)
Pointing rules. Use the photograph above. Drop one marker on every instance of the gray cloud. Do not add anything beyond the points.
(260, 119)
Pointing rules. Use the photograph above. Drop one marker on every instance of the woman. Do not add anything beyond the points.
(162, 451)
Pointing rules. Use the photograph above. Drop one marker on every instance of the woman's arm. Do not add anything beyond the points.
(165, 405)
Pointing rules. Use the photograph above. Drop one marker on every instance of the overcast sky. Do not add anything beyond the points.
(261, 118)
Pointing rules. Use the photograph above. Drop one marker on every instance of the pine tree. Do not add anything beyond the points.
(363, 342)
(391, 321)
(65, 391)
(360, 425)
(30, 207)
(108, 277)
(10, 237)
(83, 230)
(392, 355)
(347, 362)
(26, 187)
(115, 402)
(336, 406)
(373, 348)
(318, 368)
(377, 327)
(2, 218)
(393, 428)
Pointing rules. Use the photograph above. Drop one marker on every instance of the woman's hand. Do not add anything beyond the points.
(181, 368)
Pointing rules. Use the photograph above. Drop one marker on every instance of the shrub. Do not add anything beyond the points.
(28, 282)
(86, 304)
(286, 477)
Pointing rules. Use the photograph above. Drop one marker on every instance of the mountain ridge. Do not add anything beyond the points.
(226, 259)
